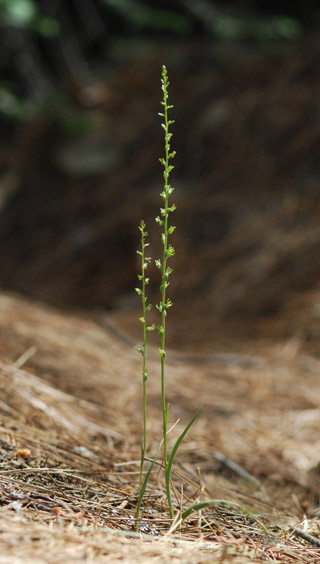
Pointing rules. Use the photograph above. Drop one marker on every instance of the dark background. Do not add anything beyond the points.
(79, 96)
(44, 43)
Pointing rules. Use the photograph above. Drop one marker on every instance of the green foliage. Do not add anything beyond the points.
(11, 106)
(142, 16)
(227, 25)
(25, 14)
(216, 502)
(262, 30)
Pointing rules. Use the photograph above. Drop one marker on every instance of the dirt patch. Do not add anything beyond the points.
(70, 427)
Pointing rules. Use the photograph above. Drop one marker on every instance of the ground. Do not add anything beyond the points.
(70, 427)
(242, 335)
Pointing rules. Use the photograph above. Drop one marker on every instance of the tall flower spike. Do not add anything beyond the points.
(167, 252)
(143, 349)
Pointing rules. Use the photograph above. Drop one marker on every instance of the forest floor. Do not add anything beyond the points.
(242, 336)
(70, 409)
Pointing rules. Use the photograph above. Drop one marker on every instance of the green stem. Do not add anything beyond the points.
(144, 367)
(143, 350)
(163, 282)
(168, 251)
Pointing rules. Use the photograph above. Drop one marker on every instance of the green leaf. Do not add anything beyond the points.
(145, 482)
(178, 442)
(202, 504)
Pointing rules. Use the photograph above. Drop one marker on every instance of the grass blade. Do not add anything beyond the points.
(202, 504)
(178, 442)
(144, 485)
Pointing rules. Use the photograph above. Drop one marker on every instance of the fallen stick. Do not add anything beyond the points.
(236, 468)
(312, 540)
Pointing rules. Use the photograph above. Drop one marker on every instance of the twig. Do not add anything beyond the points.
(236, 468)
(25, 357)
(312, 540)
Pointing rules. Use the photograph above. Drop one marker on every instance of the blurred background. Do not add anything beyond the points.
(80, 141)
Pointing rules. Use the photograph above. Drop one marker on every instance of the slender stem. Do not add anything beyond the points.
(144, 361)
(163, 281)
(143, 350)
(168, 251)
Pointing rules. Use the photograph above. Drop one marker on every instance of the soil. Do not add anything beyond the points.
(242, 335)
